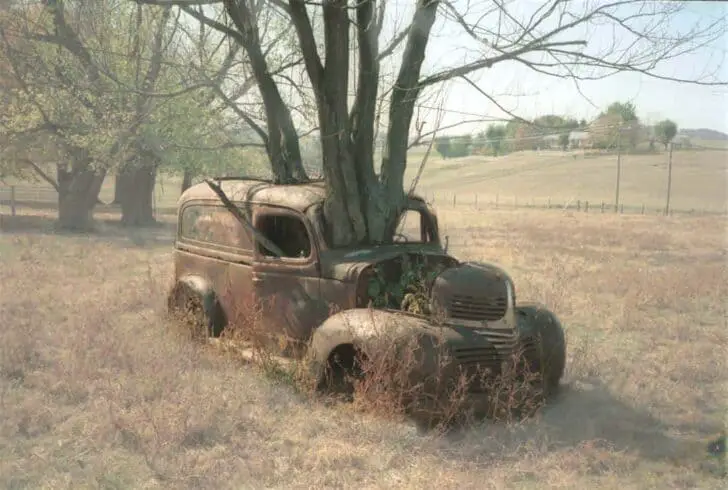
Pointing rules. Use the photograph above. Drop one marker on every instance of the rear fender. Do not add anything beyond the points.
(201, 287)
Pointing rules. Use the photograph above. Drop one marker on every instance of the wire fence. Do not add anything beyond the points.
(477, 201)
(15, 197)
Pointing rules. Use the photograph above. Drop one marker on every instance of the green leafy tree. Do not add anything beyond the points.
(665, 131)
(443, 147)
(564, 141)
(627, 111)
(495, 135)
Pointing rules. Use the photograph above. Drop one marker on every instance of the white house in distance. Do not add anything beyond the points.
(681, 140)
(578, 139)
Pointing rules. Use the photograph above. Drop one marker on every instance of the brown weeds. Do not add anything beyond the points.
(97, 391)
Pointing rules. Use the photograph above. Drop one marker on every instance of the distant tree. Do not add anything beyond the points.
(583, 123)
(564, 141)
(495, 135)
(626, 110)
(617, 126)
(665, 131)
(459, 146)
(443, 146)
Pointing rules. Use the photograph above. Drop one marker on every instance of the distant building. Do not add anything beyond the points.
(578, 139)
(681, 141)
(551, 141)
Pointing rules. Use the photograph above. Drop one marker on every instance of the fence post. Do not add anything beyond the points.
(643, 208)
(453, 200)
(602, 207)
(669, 181)
(586, 207)
(621, 209)
(578, 205)
(548, 204)
(12, 200)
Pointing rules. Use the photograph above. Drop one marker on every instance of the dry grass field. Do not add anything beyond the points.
(571, 176)
(96, 390)
(700, 180)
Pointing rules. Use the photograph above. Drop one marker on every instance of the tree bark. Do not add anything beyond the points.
(78, 192)
(186, 180)
(121, 187)
(137, 207)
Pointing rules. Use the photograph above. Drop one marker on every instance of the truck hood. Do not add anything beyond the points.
(346, 265)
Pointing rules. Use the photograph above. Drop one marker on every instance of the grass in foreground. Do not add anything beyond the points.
(97, 391)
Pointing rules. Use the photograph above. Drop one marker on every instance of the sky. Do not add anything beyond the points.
(529, 94)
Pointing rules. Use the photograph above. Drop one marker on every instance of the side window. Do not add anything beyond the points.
(413, 225)
(214, 225)
(288, 232)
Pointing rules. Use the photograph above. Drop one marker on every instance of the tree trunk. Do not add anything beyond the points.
(78, 192)
(186, 180)
(121, 187)
(137, 207)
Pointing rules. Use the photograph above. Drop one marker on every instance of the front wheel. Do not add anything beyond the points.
(543, 343)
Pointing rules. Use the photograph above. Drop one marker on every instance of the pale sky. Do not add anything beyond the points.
(691, 106)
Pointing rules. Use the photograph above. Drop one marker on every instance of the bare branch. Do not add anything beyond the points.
(42, 174)
(235, 210)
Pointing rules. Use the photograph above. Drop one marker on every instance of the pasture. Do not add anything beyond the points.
(97, 391)
(699, 181)
(699, 178)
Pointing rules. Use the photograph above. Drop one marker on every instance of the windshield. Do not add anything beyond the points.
(415, 225)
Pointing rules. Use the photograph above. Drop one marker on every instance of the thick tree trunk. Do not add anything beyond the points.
(121, 187)
(78, 192)
(186, 181)
(137, 207)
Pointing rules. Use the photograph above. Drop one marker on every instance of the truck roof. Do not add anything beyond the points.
(295, 196)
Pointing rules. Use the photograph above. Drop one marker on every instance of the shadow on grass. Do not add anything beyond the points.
(100, 208)
(589, 416)
(161, 234)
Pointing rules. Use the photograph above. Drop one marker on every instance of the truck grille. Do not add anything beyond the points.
(485, 360)
(478, 308)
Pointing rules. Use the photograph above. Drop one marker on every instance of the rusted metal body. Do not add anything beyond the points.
(316, 295)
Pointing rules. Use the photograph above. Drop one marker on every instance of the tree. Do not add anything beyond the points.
(495, 135)
(62, 102)
(363, 205)
(665, 131)
(442, 146)
(564, 141)
(627, 111)
(101, 103)
(617, 127)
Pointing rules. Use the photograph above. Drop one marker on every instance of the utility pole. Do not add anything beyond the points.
(669, 181)
(619, 166)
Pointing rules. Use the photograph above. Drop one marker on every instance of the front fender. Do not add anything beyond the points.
(535, 319)
(361, 328)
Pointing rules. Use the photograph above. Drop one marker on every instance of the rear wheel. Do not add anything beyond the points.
(187, 308)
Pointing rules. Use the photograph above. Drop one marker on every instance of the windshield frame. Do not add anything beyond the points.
(414, 203)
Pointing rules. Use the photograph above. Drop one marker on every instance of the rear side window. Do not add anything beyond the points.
(286, 231)
(214, 225)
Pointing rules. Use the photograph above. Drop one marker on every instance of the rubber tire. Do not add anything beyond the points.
(542, 325)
